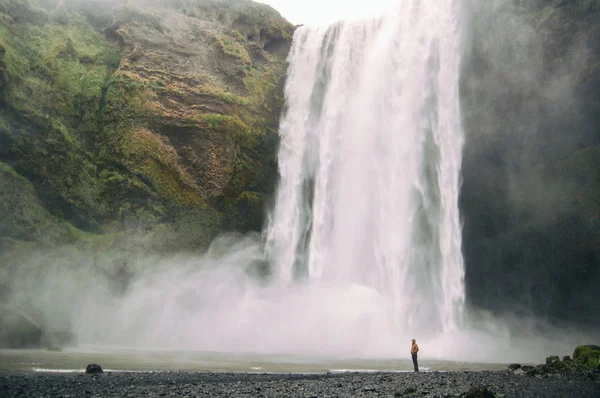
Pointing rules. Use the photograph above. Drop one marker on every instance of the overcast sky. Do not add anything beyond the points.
(320, 12)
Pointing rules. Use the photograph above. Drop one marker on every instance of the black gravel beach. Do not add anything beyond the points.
(207, 384)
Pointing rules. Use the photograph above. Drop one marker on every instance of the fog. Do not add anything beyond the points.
(216, 302)
(520, 116)
(529, 164)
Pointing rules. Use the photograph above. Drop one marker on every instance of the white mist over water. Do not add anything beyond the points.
(370, 163)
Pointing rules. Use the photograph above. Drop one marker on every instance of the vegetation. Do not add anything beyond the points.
(86, 132)
(232, 46)
(587, 356)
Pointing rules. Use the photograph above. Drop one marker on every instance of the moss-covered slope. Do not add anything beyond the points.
(139, 116)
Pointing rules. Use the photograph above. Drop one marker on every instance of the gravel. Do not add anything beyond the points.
(207, 384)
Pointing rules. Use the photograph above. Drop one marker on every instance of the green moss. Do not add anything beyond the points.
(169, 185)
(65, 67)
(254, 166)
(233, 47)
(24, 216)
(587, 356)
(226, 124)
(123, 109)
(58, 83)
(226, 96)
(79, 136)
(243, 213)
(128, 14)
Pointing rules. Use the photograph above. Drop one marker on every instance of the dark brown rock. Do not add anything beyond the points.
(93, 369)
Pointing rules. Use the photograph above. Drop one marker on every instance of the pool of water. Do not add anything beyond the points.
(75, 360)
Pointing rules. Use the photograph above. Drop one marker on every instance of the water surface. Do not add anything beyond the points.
(203, 361)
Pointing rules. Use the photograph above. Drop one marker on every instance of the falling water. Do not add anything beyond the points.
(369, 162)
(364, 241)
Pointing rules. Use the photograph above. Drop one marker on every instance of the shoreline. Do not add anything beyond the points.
(259, 384)
(29, 360)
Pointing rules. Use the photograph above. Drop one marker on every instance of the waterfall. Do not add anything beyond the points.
(364, 240)
(369, 162)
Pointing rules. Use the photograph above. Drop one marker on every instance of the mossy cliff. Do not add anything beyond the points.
(155, 118)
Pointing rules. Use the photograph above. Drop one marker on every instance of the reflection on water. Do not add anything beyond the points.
(135, 360)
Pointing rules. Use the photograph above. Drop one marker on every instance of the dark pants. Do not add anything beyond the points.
(414, 357)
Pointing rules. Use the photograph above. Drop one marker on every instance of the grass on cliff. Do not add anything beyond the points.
(233, 47)
(82, 135)
(57, 70)
(76, 130)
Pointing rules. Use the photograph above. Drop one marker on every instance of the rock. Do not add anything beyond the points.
(519, 372)
(479, 392)
(540, 370)
(566, 358)
(587, 356)
(94, 369)
(552, 360)
(514, 366)
(568, 30)
(527, 368)
(183, 97)
(408, 391)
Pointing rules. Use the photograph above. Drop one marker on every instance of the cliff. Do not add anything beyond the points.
(151, 119)
(530, 196)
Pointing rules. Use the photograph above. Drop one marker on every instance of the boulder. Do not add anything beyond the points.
(514, 366)
(479, 392)
(93, 369)
(587, 356)
(552, 360)
(527, 368)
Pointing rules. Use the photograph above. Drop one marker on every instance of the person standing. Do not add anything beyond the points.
(414, 348)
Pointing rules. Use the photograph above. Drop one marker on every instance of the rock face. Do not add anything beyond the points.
(530, 195)
(155, 117)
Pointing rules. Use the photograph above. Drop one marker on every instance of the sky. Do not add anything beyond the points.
(322, 12)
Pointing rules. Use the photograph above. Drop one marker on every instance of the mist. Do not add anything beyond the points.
(522, 117)
(530, 160)
(220, 302)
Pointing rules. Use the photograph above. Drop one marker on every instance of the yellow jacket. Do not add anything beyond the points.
(414, 348)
